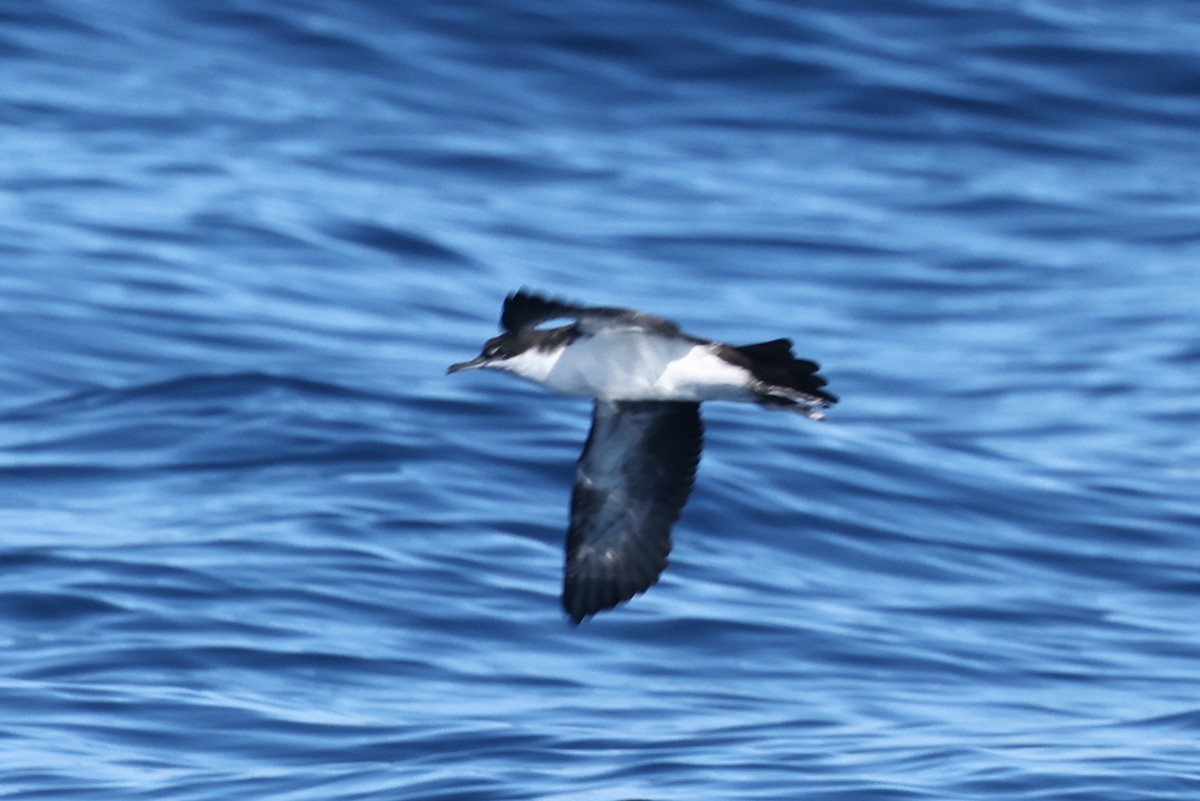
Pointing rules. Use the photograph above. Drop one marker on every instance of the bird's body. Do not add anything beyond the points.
(623, 364)
(637, 468)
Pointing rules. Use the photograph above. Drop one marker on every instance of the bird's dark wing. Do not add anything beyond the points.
(524, 309)
(631, 483)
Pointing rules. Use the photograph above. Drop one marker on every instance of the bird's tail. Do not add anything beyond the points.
(785, 382)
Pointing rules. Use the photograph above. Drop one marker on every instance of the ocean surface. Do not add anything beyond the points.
(255, 543)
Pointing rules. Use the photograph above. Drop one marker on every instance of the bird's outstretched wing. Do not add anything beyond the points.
(631, 483)
(524, 309)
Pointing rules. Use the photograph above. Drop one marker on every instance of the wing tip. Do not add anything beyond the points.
(588, 595)
(525, 308)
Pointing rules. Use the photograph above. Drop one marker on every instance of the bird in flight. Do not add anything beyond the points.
(648, 379)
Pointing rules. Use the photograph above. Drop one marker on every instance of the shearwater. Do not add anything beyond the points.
(648, 378)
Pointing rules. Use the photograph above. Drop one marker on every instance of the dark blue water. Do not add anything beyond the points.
(255, 543)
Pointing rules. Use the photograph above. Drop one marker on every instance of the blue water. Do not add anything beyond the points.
(256, 544)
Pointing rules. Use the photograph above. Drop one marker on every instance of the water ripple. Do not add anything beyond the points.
(258, 544)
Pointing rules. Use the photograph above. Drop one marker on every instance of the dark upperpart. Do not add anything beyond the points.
(773, 363)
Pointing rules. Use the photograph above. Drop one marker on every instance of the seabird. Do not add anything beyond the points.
(648, 379)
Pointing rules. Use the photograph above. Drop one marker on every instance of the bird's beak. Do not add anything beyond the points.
(478, 361)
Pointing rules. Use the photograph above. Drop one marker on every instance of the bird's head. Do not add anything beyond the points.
(496, 354)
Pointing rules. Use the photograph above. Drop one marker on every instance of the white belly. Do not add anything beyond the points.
(623, 365)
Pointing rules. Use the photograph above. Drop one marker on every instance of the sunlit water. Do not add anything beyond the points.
(256, 544)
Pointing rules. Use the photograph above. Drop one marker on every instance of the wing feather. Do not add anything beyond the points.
(524, 310)
(631, 483)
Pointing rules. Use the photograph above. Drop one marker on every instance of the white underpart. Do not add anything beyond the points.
(633, 365)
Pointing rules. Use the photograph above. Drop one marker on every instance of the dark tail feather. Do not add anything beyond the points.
(777, 351)
(773, 364)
